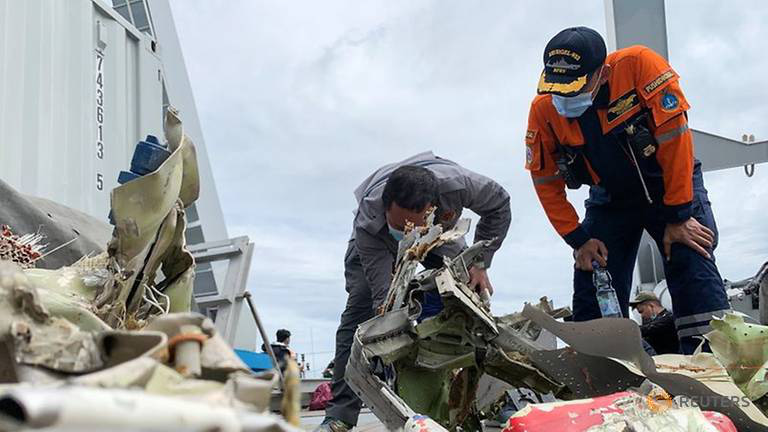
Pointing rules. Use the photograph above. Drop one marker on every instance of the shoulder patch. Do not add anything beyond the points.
(669, 102)
(530, 135)
(658, 81)
(622, 105)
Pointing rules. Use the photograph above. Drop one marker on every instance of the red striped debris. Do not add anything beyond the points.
(617, 412)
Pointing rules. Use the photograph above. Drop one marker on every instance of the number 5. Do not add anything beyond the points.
(99, 181)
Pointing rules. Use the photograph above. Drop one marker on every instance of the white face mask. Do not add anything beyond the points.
(396, 234)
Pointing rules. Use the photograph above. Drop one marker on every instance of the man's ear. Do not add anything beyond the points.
(606, 73)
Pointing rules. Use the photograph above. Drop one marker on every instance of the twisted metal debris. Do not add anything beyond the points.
(104, 344)
(407, 362)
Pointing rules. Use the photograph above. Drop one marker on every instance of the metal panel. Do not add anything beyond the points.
(66, 68)
(717, 153)
(632, 22)
(228, 300)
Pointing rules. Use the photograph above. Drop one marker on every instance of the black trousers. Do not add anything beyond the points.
(694, 282)
(345, 404)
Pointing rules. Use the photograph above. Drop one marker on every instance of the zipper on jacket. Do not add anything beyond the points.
(639, 174)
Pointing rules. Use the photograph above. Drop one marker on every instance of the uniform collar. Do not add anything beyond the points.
(603, 98)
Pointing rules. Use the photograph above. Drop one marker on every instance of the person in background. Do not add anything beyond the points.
(328, 372)
(281, 348)
(658, 328)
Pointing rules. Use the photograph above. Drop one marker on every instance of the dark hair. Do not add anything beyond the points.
(283, 335)
(410, 187)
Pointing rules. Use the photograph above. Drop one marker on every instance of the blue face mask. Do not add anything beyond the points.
(396, 234)
(573, 106)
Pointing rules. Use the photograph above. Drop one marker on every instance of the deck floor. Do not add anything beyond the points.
(367, 422)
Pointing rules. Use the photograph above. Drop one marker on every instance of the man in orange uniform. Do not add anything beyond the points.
(618, 123)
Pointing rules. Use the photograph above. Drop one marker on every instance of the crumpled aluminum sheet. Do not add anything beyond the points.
(743, 349)
(590, 338)
(176, 373)
(583, 375)
(34, 336)
(149, 231)
(437, 361)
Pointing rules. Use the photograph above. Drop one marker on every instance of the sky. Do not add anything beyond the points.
(299, 101)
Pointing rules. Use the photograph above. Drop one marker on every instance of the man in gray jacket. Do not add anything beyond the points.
(391, 197)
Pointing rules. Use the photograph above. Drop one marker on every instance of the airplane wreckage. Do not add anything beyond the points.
(104, 343)
(441, 362)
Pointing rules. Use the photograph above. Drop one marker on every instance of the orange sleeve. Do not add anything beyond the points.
(549, 185)
(665, 100)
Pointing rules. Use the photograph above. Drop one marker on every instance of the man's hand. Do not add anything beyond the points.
(478, 280)
(592, 250)
(690, 233)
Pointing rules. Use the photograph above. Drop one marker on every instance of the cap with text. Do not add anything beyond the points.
(569, 58)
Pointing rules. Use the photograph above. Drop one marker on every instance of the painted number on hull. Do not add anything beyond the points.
(99, 116)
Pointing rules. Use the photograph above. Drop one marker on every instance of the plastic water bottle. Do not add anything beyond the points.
(606, 295)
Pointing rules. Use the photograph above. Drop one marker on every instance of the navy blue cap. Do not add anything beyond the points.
(569, 58)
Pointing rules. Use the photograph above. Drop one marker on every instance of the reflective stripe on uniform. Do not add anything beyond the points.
(702, 317)
(694, 331)
(674, 133)
(547, 179)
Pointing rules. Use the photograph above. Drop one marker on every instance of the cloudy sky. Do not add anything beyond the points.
(299, 101)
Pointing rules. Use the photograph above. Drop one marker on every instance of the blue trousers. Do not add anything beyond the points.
(693, 280)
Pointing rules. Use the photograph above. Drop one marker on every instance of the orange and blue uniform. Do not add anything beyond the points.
(635, 183)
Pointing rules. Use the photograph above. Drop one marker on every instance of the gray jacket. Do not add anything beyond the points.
(460, 188)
